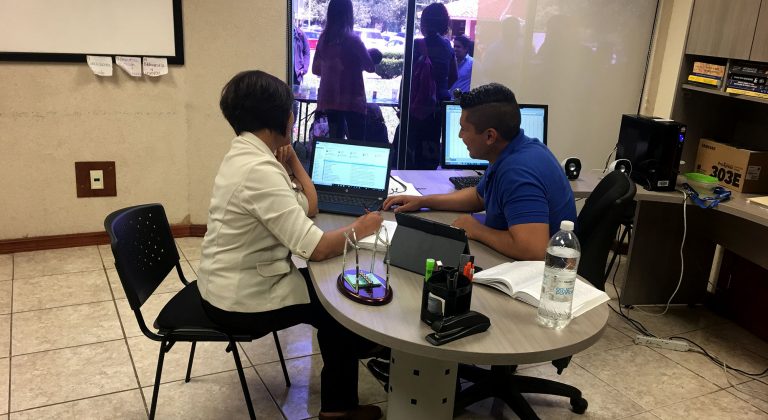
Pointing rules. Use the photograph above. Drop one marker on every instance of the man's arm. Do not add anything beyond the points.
(465, 200)
(527, 241)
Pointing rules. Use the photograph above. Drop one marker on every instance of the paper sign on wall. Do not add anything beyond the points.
(100, 65)
(155, 66)
(131, 65)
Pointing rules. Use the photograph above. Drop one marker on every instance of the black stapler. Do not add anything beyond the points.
(459, 326)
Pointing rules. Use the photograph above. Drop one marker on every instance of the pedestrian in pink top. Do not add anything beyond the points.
(340, 59)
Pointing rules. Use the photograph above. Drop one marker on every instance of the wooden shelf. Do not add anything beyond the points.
(715, 91)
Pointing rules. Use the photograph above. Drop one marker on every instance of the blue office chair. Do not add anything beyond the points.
(145, 253)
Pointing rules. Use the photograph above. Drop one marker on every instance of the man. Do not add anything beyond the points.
(462, 47)
(524, 192)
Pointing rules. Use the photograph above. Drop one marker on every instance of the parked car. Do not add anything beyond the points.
(396, 41)
(371, 37)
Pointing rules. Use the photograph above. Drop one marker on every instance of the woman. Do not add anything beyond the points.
(259, 217)
(423, 145)
(340, 59)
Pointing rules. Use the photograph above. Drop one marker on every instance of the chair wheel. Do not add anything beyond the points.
(579, 405)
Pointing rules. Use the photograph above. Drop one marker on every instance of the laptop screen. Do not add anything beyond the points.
(344, 164)
(533, 120)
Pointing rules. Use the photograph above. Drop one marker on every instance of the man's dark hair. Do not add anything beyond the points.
(492, 106)
(465, 42)
(255, 100)
(435, 19)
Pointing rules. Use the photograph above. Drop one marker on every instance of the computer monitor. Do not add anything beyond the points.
(533, 120)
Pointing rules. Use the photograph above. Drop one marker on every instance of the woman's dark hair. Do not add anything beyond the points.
(255, 100)
(465, 42)
(435, 19)
(339, 20)
(492, 106)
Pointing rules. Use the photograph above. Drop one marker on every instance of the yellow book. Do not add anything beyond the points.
(705, 80)
(763, 201)
(747, 92)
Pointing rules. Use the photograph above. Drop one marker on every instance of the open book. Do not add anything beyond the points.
(367, 242)
(522, 280)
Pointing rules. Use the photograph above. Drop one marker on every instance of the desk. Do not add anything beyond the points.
(654, 253)
(427, 374)
(306, 98)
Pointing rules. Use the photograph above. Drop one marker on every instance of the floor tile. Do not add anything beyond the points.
(125, 405)
(642, 416)
(753, 392)
(209, 358)
(726, 405)
(644, 375)
(68, 374)
(678, 320)
(727, 344)
(6, 266)
(6, 288)
(56, 328)
(195, 264)
(190, 247)
(604, 401)
(106, 255)
(218, 396)
(149, 311)
(610, 339)
(60, 290)
(5, 336)
(302, 399)
(55, 261)
(297, 341)
(4, 376)
(170, 284)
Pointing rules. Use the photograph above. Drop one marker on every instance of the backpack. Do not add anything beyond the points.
(423, 86)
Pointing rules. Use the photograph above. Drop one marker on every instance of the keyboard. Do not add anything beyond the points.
(461, 182)
(351, 200)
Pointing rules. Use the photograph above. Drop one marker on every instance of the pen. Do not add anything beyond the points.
(430, 268)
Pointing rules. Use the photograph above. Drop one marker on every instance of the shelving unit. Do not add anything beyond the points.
(716, 91)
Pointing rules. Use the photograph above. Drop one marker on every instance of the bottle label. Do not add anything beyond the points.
(559, 285)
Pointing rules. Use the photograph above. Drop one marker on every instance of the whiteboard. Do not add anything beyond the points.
(67, 30)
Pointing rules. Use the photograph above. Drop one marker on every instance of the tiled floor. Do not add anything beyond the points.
(70, 348)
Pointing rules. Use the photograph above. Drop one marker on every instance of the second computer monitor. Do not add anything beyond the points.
(533, 120)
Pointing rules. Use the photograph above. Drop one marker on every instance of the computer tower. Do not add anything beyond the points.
(653, 146)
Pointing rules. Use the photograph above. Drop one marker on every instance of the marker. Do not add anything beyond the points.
(430, 268)
(468, 270)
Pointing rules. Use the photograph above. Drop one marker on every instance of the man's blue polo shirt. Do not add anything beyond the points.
(526, 185)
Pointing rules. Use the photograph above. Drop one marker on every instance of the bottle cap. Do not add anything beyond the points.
(566, 225)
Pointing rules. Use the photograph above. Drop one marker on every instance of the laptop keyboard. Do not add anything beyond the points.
(461, 182)
(328, 197)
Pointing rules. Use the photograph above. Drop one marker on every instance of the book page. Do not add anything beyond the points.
(518, 275)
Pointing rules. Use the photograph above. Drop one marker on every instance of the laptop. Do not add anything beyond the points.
(351, 177)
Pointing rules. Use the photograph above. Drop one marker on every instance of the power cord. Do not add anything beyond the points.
(394, 190)
(608, 158)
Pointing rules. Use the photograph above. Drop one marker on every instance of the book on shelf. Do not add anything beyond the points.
(756, 80)
(745, 92)
(707, 74)
(368, 241)
(522, 281)
(749, 68)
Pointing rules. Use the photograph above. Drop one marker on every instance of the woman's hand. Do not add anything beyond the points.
(368, 224)
(285, 154)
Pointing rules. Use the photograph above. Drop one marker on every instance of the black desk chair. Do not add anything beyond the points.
(610, 206)
(596, 229)
(145, 253)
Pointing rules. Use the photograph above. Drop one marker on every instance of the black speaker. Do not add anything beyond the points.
(621, 165)
(572, 167)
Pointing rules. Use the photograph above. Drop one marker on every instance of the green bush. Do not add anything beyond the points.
(391, 65)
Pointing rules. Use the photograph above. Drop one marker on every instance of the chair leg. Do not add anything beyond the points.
(156, 389)
(282, 360)
(246, 394)
(616, 253)
(191, 358)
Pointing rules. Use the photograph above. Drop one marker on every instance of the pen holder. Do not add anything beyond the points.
(439, 300)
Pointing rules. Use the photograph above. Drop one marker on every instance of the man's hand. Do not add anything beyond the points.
(469, 224)
(404, 203)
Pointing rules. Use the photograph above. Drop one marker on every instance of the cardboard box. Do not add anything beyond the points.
(738, 169)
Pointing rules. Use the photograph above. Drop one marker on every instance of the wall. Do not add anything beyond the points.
(166, 135)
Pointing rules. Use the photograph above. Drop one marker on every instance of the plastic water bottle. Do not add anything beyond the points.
(560, 265)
